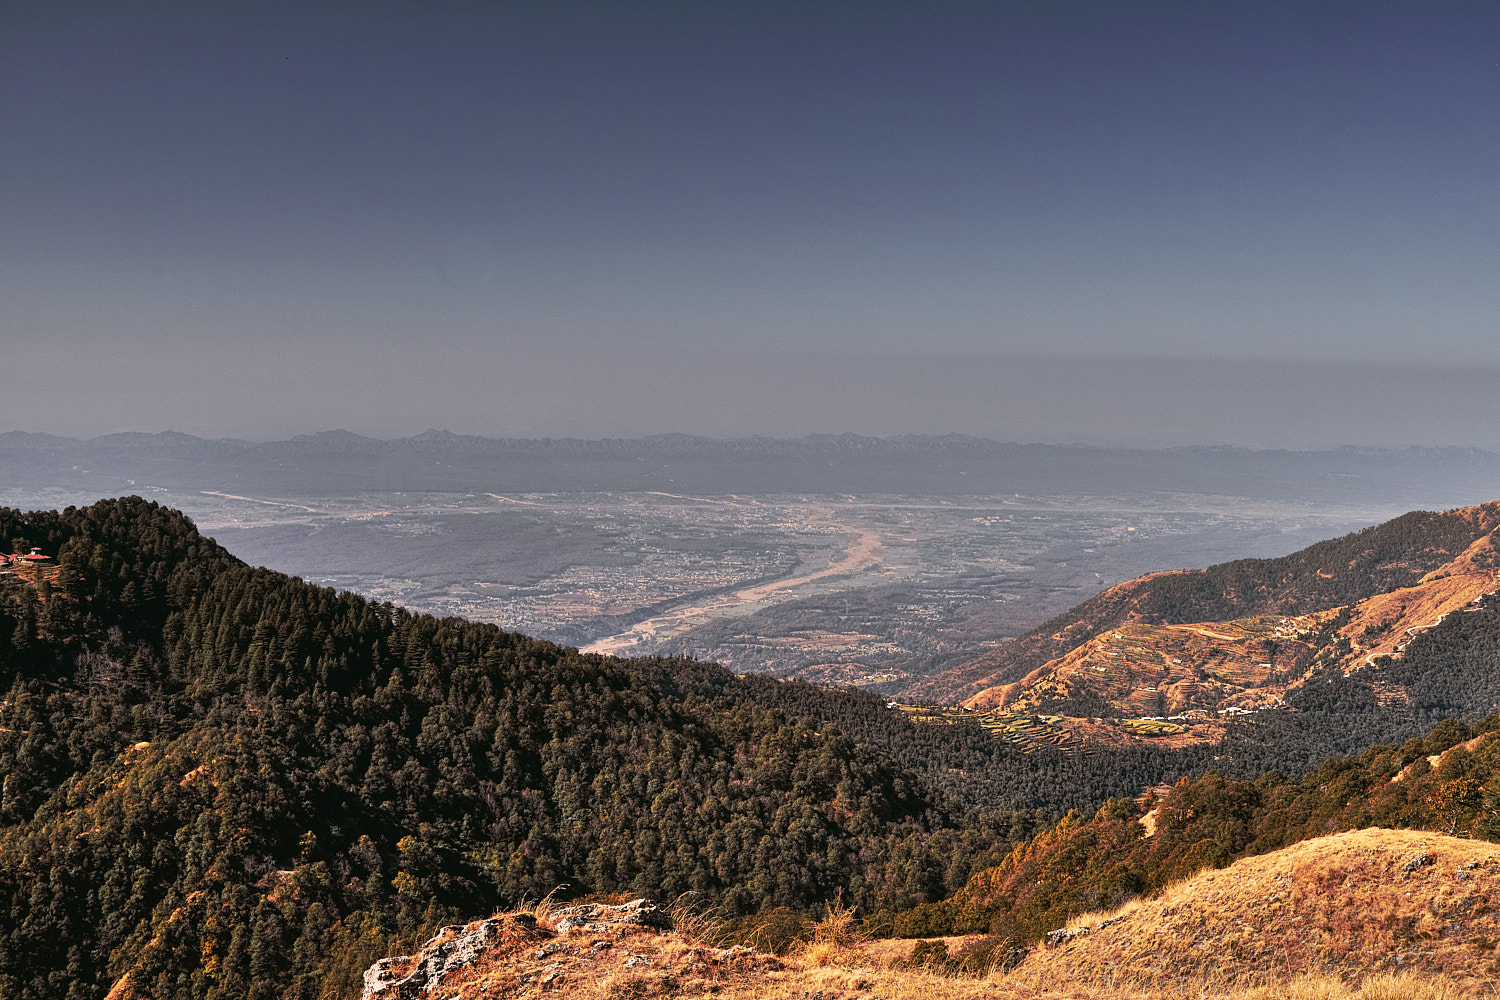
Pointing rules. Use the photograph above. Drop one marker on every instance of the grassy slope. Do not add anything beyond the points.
(630, 962)
(1349, 903)
(1244, 663)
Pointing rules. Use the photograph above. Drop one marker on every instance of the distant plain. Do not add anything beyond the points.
(848, 561)
(941, 579)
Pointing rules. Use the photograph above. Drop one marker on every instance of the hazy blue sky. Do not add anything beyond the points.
(1040, 221)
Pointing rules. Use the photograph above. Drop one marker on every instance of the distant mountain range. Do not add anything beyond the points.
(339, 461)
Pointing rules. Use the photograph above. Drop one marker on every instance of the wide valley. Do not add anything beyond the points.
(873, 590)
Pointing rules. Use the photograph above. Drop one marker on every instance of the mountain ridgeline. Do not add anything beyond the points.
(335, 462)
(224, 782)
(1448, 781)
(221, 781)
(1340, 571)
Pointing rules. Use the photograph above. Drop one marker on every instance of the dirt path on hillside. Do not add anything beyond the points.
(1198, 630)
(1401, 647)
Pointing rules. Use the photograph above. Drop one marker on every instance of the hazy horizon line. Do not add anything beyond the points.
(571, 392)
(430, 434)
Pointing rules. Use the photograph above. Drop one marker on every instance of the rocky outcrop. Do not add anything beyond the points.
(452, 948)
(1063, 935)
(596, 918)
(411, 977)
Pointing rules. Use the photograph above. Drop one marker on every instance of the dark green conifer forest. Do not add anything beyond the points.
(238, 784)
(229, 783)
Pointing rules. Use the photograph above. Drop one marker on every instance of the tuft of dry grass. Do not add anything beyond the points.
(693, 920)
(834, 938)
(543, 909)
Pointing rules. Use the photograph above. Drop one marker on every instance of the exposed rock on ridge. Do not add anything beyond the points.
(514, 954)
(452, 949)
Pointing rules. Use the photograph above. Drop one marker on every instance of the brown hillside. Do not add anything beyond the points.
(1199, 673)
(548, 955)
(1138, 670)
(1349, 905)
(1331, 574)
(1383, 624)
(1196, 671)
(1013, 660)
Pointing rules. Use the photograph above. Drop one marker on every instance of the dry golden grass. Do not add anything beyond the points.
(864, 980)
(543, 909)
(1445, 591)
(1397, 986)
(835, 938)
(678, 965)
(884, 952)
(1347, 917)
(1347, 906)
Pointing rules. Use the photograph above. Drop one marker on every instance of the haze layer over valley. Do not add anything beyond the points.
(843, 560)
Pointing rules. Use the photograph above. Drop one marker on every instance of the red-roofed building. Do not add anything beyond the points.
(35, 556)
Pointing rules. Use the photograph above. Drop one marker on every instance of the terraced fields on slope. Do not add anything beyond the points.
(1070, 734)
(1420, 548)
(1180, 682)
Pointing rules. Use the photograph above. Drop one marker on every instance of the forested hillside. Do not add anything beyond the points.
(224, 782)
(1448, 781)
(1336, 572)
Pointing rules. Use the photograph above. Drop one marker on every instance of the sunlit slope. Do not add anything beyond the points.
(1157, 670)
(1354, 902)
(1325, 576)
(1193, 672)
(1383, 624)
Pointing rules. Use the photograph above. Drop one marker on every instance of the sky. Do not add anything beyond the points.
(1271, 224)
